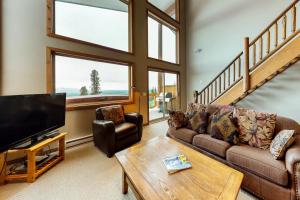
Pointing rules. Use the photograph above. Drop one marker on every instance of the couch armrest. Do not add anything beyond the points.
(292, 162)
(292, 155)
(104, 136)
(136, 119)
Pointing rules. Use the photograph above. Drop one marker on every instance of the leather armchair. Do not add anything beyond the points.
(111, 138)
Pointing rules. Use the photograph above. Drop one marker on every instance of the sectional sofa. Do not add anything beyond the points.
(265, 177)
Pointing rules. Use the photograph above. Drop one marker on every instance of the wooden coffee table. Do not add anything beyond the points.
(145, 173)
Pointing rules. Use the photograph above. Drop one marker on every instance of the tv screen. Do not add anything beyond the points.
(27, 116)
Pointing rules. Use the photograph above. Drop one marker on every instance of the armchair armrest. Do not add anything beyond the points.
(104, 136)
(136, 119)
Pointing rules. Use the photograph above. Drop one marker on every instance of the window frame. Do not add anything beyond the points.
(51, 28)
(177, 10)
(87, 102)
(170, 26)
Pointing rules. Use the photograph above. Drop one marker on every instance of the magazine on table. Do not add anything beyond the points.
(176, 163)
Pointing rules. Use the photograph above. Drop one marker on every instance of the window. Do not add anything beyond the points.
(162, 41)
(90, 80)
(104, 23)
(170, 7)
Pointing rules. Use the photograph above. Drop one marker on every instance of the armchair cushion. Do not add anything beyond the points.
(113, 113)
(125, 129)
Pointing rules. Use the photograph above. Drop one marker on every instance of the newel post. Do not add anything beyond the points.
(246, 75)
(195, 94)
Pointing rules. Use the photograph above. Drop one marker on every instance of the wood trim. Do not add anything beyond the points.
(162, 20)
(161, 14)
(161, 70)
(94, 105)
(175, 6)
(92, 102)
(51, 30)
(177, 40)
(93, 57)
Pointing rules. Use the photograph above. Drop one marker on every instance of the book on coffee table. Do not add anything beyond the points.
(176, 163)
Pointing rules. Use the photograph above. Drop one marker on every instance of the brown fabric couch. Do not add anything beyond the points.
(265, 177)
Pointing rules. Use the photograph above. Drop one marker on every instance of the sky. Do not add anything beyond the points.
(75, 73)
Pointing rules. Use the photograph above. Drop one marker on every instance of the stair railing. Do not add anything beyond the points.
(266, 44)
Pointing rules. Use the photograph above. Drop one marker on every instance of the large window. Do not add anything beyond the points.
(162, 41)
(106, 22)
(170, 7)
(86, 79)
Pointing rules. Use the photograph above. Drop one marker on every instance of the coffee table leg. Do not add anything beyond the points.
(124, 183)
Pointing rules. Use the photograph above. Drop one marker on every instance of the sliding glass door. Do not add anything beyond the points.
(163, 93)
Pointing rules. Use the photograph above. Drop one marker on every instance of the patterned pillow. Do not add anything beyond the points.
(218, 110)
(113, 113)
(177, 119)
(194, 107)
(198, 122)
(223, 128)
(281, 142)
(256, 128)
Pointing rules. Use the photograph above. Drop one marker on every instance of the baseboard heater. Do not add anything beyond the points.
(79, 141)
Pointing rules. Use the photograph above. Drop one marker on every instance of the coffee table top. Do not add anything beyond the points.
(207, 179)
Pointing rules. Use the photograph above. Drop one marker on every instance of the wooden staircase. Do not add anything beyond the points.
(274, 50)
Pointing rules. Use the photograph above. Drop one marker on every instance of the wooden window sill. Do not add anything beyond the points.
(94, 105)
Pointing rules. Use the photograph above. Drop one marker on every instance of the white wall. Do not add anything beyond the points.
(281, 95)
(218, 28)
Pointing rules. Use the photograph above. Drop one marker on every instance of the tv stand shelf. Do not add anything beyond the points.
(34, 171)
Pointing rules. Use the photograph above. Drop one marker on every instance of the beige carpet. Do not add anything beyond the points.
(86, 174)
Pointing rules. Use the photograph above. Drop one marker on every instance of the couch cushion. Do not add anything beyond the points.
(259, 162)
(184, 134)
(210, 144)
(125, 129)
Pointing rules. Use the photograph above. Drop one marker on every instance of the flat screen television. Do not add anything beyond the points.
(25, 117)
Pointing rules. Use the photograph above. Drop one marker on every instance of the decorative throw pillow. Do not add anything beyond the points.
(177, 119)
(218, 110)
(223, 128)
(256, 128)
(281, 142)
(195, 107)
(113, 113)
(198, 122)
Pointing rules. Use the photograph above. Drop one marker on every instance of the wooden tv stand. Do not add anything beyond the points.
(32, 170)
